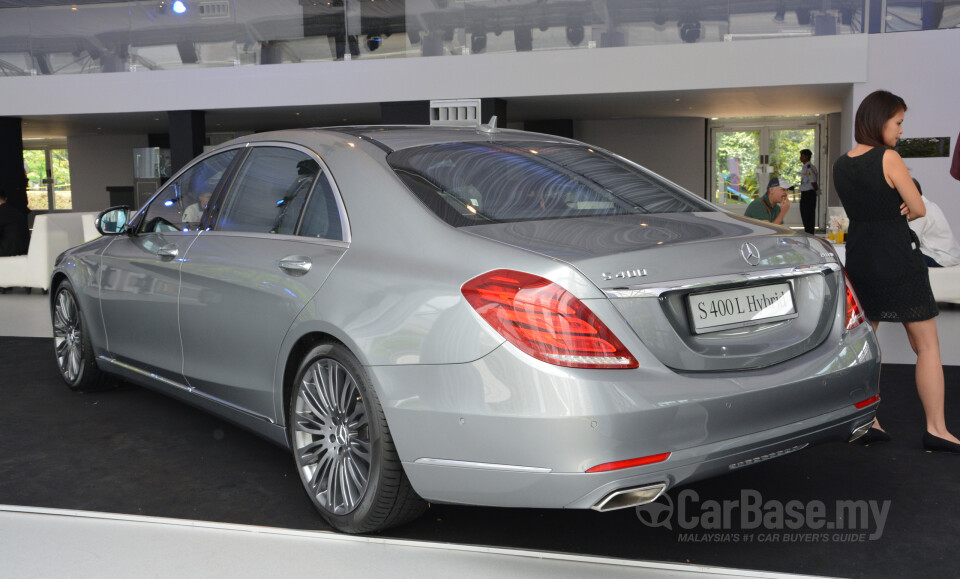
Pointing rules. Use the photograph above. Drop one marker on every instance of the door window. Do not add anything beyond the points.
(180, 205)
(321, 218)
(270, 191)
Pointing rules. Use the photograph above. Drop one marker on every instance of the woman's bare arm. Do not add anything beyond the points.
(897, 175)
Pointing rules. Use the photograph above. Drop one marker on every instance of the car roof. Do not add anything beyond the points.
(391, 138)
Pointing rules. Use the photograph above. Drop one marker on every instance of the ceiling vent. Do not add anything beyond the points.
(458, 113)
(214, 9)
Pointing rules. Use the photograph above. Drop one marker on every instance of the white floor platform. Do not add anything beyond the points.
(104, 545)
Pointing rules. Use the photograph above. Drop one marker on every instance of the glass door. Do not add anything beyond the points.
(735, 167)
(785, 145)
(48, 178)
(745, 153)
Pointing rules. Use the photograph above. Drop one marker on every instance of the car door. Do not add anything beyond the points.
(277, 236)
(140, 283)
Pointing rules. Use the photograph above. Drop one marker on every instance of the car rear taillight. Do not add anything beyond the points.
(854, 313)
(545, 321)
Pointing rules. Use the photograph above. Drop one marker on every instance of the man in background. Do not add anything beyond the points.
(937, 243)
(809, 191)
(774, 204)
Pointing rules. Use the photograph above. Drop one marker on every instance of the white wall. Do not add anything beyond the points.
(98, 162)
(672, 147)
(922, 68)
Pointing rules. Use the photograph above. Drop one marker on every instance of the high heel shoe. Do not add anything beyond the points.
(873, 436)
(933, 443)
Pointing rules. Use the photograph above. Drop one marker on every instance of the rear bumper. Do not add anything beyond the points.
(507, 430)
(479, 486)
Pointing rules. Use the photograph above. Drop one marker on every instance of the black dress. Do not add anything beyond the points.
(883, 261)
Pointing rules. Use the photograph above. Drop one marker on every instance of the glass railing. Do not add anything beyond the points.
(128, 36)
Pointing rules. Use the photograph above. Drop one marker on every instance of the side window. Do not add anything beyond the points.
(269, 191)
(181, 204)
(321, 218)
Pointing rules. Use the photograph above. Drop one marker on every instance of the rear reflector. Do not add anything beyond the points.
(545, 321)
(854, 313)
(864, 403)
(607, 466)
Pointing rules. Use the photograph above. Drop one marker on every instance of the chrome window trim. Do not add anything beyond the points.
(182, 387)
(277, 237)
(655, 290)
(481, 465)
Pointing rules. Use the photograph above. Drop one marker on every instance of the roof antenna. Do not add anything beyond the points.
(490, 127)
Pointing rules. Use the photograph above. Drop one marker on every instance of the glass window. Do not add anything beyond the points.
(321, 218)
(269, 192)
(181, 204)
(475, 183)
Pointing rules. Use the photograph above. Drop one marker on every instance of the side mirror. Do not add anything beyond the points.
(112, 221)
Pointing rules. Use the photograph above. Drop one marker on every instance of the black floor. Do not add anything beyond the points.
(133, 451)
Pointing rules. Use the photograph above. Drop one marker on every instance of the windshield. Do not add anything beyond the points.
(474, 183)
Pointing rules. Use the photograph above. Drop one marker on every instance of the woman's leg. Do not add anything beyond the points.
(929, 375)
(876, 421)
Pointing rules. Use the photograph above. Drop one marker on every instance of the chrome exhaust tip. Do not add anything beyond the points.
(861, 430)
(626, 498)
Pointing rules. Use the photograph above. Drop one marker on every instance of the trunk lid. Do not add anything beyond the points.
(651, 266)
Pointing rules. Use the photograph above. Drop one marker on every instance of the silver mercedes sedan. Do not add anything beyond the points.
(468, 315)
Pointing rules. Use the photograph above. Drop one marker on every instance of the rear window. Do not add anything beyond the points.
(474, 183)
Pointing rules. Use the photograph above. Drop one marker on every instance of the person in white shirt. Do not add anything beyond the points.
(939, 246)
(809, 191)
(194, 212)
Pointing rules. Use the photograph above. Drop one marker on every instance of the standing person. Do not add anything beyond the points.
(939, 246)
(809, 191)
(14, 233)
(883, 262)
(774, 204)
(955, 166)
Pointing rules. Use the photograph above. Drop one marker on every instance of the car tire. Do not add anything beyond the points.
(71, 343)
(342, 447)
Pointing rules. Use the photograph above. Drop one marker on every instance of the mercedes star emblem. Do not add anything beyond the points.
(750, 253)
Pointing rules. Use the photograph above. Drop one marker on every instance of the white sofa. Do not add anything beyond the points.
(945, 282)
(52, 234)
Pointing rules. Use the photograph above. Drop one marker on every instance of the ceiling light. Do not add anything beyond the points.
(689, 31)
(846, 16)
(523, 38)
(575, 31)
(478, 42)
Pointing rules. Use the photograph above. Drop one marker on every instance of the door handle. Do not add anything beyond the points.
(168, 252)
(295, 264)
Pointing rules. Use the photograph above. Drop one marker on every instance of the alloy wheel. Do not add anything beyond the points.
(332, 436)
(67, 335)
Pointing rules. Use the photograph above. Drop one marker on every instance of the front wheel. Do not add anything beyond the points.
(342, 446)
(72, 345)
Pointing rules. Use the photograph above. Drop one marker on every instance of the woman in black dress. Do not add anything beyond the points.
(883, 260)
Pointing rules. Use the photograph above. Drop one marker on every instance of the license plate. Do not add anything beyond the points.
(714, 311)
